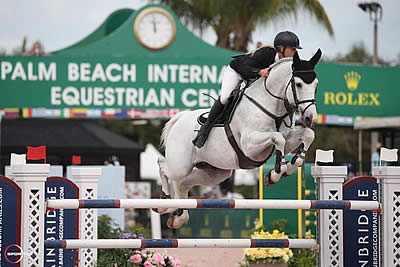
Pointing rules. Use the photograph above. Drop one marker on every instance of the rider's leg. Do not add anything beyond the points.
(205, 129)
(229, 82)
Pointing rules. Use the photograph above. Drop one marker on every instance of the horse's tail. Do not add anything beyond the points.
(167, 128)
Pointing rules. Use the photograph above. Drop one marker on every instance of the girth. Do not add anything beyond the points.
(278, 120)
(244, 161)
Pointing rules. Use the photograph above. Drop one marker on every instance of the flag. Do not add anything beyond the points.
(108, 113)
(172, 112)
(11, 113)
(27, 113)
(94, 113)
(76, 160)
(323, 156)
(66, 113)
(121, 113)
(36, 153)
(388, 154)
(79, 113)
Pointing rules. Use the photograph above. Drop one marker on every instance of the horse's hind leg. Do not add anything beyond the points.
(179, 216)
(165, 193)
(303, 138)
(204, 176)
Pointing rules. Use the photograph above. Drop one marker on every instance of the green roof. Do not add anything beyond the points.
(115, 37)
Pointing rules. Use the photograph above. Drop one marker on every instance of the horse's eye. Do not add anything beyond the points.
(298, 85)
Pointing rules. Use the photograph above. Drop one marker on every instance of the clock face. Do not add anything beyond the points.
(155, 28)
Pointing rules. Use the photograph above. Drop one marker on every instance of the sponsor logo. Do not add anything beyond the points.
(352, 98)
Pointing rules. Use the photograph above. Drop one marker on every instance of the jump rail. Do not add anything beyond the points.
(212, 204)
(182, 243)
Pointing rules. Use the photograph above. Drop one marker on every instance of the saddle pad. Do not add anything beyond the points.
(230, 107)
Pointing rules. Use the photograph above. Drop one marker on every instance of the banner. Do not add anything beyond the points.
(61, 223)
(11, 252)
(361, 227)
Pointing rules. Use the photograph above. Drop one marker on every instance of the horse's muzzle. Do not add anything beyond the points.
(309, 122)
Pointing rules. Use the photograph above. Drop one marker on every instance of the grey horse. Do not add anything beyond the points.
(262, 125)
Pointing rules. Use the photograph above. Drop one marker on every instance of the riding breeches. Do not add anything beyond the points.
(229, 82)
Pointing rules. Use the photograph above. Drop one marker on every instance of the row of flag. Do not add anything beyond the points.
(133, 114)
(88, 113)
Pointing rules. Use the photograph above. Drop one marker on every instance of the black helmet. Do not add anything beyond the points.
(287, 38)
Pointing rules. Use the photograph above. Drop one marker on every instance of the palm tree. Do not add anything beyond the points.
(235, 21)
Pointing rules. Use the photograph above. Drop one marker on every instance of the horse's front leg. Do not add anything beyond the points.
(302, 138)
(255, 143)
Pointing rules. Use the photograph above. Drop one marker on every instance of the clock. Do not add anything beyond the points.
(154, 28)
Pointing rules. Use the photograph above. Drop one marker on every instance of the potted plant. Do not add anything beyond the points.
(267, 257)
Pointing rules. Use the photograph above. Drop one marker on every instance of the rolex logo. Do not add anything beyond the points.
(352, 79)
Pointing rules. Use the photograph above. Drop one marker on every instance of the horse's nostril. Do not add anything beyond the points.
(308, 121)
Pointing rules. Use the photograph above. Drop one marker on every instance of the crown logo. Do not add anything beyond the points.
(352, 79)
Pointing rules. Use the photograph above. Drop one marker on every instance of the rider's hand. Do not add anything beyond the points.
(264, 73)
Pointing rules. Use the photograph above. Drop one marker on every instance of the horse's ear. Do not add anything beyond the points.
(296, 59)
(314, 60)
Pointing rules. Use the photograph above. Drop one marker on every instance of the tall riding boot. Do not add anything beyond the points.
(205, 129)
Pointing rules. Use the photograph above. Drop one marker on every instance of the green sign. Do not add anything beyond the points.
(109, 82)
(349, 90)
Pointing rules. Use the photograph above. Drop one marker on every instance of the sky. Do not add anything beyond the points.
(58, 24)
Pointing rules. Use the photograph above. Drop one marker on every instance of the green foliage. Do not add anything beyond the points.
(358, 54)
(107, 229)
(143, 134)
(235, 21)
(247, 191)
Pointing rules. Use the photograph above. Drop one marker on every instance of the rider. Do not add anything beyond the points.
(244, 67)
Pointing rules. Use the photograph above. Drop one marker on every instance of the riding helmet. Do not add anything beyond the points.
(287, 38)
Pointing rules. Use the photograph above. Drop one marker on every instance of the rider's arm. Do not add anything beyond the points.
(251, 66)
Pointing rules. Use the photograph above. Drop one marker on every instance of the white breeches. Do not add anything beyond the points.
(229, 82)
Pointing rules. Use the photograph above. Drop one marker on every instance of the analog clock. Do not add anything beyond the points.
(154, 28)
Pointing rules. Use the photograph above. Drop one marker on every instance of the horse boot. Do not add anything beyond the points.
(205, 129)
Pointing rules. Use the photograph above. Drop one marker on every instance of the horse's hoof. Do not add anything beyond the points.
(284, 175)
(160, 210)
(170, 222)
(267, 179)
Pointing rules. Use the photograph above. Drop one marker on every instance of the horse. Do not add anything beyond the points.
(262, 125)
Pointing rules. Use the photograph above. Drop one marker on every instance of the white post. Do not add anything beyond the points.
(389, 178)
(31, 179)
(155, 220)
(329, 180)
(87, 180)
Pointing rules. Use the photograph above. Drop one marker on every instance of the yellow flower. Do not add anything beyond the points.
(254, 254)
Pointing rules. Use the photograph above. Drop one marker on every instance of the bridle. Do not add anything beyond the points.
(290, 108)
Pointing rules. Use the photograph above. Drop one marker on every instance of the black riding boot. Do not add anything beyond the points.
(205, 129)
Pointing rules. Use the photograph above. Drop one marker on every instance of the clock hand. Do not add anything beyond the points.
(154, 24)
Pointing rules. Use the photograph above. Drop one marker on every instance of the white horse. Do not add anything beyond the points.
(262, 125)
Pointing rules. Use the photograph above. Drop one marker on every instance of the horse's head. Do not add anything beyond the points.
(303, 86)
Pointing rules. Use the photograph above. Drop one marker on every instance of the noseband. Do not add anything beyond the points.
(290, 108)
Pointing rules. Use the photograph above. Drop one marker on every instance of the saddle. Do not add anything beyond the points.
(225, 119)
(229, 109)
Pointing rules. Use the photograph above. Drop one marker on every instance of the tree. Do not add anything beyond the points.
(358, 54)
(235, 21)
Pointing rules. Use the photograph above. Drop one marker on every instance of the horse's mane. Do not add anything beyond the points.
(280, 61)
